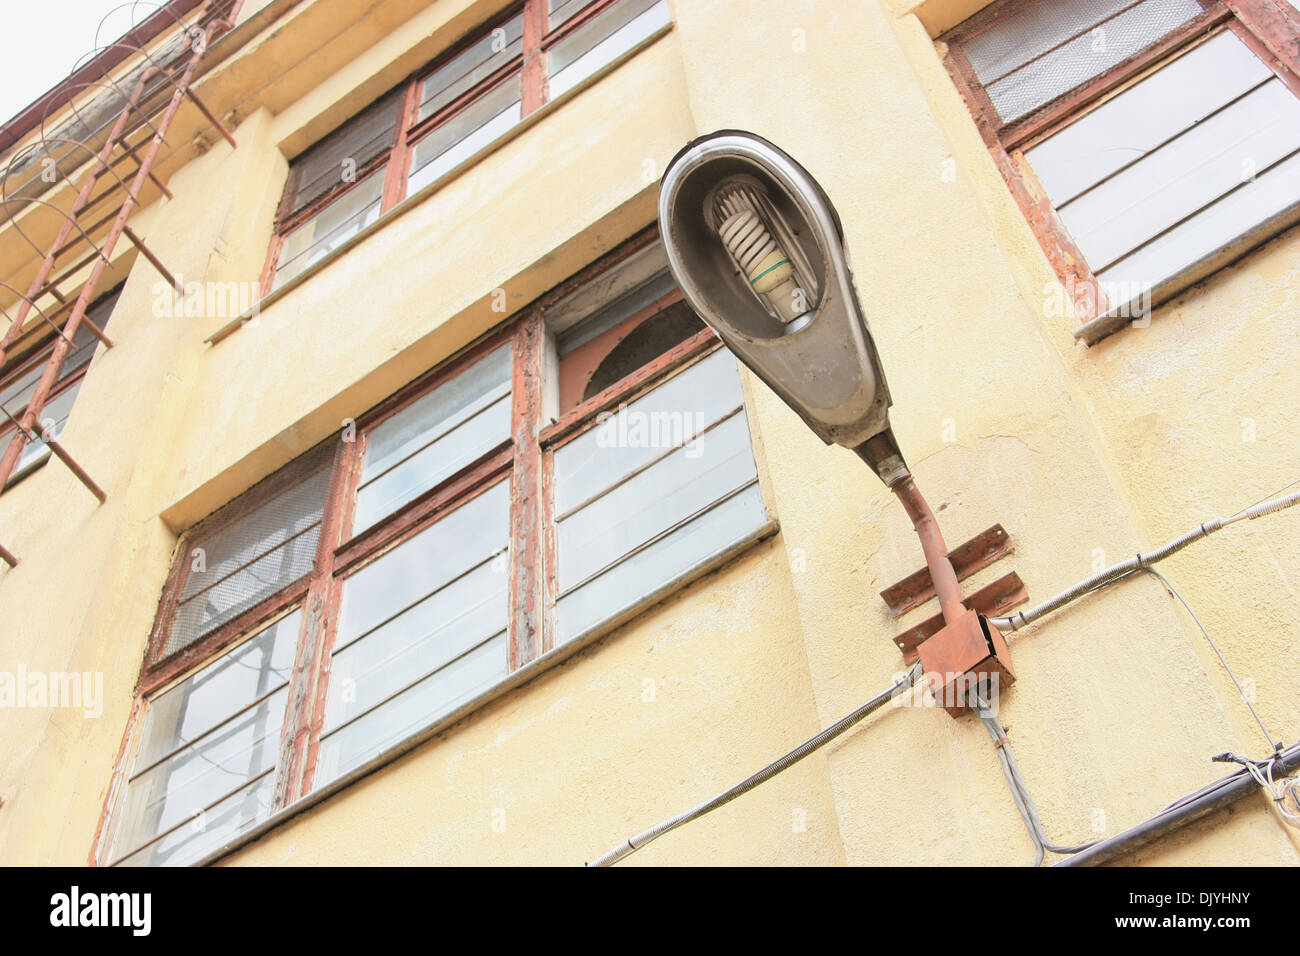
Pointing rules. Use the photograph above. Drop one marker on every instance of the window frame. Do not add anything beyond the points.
(530, 65)
(525, 460)
(1271, 31)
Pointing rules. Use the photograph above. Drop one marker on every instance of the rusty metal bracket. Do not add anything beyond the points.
(968, 558)
(58, 451)
(991, 600)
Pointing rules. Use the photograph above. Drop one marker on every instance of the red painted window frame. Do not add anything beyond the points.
(525, 460)
(529, 65)
(1271, 28)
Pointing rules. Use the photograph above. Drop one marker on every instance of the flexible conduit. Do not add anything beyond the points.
(1139, 561)
(767, 773)
(1221, 793)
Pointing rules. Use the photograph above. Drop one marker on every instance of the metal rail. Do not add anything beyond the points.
(196, 35)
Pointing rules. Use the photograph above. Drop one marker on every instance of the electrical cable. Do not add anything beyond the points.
(1138, 562)
(1019, 789)
(1262, 771)
(771, 770)
(1273, 744)
(1290, 789)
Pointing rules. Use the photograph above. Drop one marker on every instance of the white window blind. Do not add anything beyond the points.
(1185, 162)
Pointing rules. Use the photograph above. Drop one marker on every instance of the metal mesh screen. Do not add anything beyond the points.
(361, 139)
(561, 11)
(254, 549)
(1013, 41)
(1032, 57)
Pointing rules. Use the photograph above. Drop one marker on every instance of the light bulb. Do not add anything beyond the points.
(759, 257)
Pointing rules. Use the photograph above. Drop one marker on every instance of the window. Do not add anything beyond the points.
(554, 478)
(648, 484)
(19, 379)
(1148, 142)
(422, 629)
(450, 111)
(435, 436)
(650, 492)
(209, 747)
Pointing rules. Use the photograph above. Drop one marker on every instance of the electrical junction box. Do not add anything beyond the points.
(963, 655)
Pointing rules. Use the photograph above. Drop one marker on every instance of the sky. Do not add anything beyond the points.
(45, 38)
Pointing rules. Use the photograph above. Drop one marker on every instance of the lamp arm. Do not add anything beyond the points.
(936, 552)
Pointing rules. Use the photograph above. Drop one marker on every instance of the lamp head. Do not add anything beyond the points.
(758, 252)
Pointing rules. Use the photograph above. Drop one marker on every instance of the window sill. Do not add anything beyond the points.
(1117, 318)
(519, 678)
(415, 199)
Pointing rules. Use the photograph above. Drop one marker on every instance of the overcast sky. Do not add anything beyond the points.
(44, 38)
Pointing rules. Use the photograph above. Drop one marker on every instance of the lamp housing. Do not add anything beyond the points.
(758, 251)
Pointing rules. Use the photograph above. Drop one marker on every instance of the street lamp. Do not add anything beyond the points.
(758, 251)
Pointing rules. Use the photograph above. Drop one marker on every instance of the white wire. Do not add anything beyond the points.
(1125, 568)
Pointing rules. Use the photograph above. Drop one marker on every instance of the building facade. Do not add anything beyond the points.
(437, 529)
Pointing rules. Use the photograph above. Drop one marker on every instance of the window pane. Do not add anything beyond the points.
(455, 618)
(16, 389)
(653, 570)
(438, 694)
(652, 492)
(422, 629)
(215, 693)
(234, 815)
(1184, 175)
(464, 134)
(1275, 193)
(635, 282)
(1174, 167)
(1128, 127)
(599, 457)
(435, 436)
(1036, 29)
(208, 747)
(454, 545)
(354, 145)
(331, 227)
(198, 777)
(623, 307)
(1047, 49)
(560, 12)
(475, 64)
(667, 492)
(246, 559)
(54, 416)
(602, 40)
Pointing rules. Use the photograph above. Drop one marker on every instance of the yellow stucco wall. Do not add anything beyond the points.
(1119, 703)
